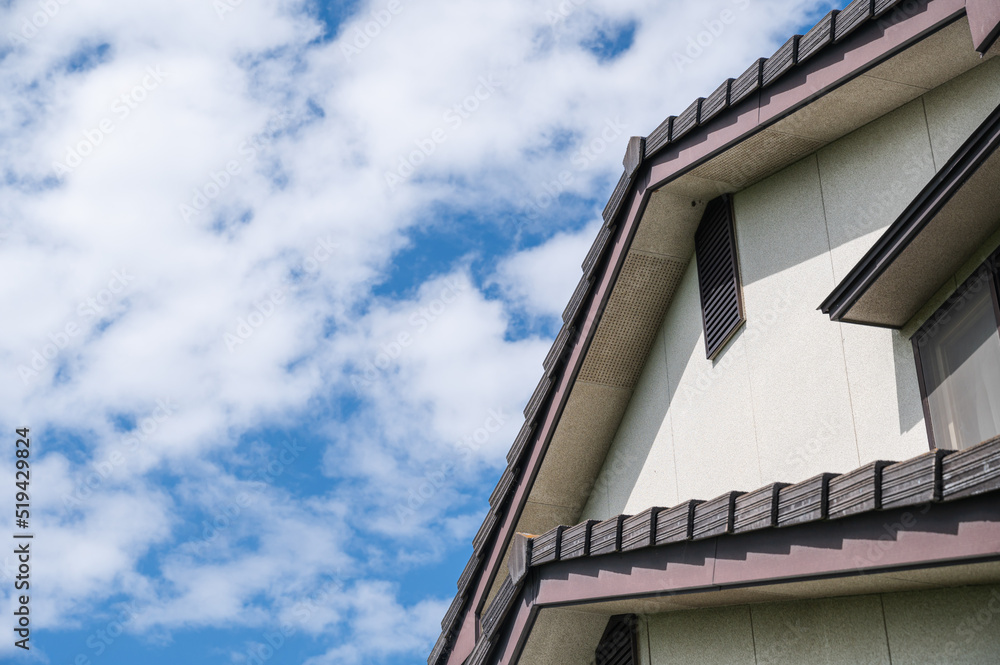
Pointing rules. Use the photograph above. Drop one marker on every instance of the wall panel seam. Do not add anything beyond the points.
(885, 627)
(753, 414)
(746, 355)
(927, 127)
(670, 401)
(840, 326)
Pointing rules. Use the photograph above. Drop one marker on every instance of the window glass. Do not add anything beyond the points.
(960, 360)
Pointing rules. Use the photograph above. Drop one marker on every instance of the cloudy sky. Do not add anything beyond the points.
(272, 268)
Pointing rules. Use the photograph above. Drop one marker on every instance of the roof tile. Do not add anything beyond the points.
(485, 531)
(714, 517)
(817, 38)
(715, 102)
(617, 196)
(520, 442)
(538, 397)
(782, 60)
(575, 540)
(880, 7)
(467, 574)
(858, 491)
(757, 509)
(660, 136)
(914, 481)
(675, 524)
(687, 120)
(575, 302)
(504, 485)
(606, 536)
(596, 251)
(852, 16)
(746, 83)
(803, 502)
(453, 610)
(639, 530)
(494, 614)
(546, 546)
(971, 471)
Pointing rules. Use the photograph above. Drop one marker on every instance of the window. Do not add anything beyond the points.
(718, 275)
(958, 364)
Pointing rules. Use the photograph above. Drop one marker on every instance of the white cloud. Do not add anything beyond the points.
(442, 391)
(542, 279)
(284, 143)
(373, 606)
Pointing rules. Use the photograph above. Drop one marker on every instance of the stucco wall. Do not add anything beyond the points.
(957, 626)
(793, 394)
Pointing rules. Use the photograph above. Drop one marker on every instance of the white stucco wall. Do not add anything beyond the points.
(793, 394)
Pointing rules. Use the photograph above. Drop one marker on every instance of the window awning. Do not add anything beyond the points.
(936, 234)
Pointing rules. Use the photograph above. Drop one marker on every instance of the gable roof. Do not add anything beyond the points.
(749, 128)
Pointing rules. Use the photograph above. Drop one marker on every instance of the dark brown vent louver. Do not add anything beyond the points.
(617, 645)
(718, 275)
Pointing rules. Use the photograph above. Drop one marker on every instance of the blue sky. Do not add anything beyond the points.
(269, 269)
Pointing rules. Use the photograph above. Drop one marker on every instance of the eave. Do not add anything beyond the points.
(827, 536)
(931, 239)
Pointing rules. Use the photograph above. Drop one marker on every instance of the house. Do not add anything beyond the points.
(767, 432)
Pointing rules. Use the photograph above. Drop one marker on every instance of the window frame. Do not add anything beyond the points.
(988, 269)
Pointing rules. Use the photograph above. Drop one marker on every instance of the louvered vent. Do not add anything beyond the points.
(718, 275)
(617, 646)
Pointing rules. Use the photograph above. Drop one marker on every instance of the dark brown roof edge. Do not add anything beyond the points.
(925, 206)
(850, 505)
